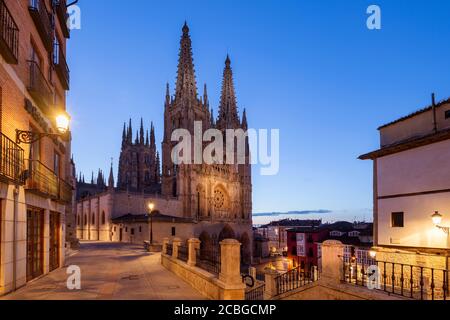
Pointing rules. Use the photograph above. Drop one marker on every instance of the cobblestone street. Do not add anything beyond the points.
(110, 271)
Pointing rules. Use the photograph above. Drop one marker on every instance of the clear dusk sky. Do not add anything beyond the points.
(309, 68)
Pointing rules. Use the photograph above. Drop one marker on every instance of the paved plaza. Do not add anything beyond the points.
(110, 271)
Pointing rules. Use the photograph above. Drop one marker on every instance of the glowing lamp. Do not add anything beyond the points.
(151, 206)
(62, 123)
(437, 218)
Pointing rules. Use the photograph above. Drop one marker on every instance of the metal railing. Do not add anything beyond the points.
(183, 253)
(169, 249)
(61, 67)
(292, 280)
(414, 282)
(42, 20)
(9, 35)
(256, 294)
(42, 180)
(209, 259)
(38, 86)
(60, 7)
(65, 191)
(11, 160)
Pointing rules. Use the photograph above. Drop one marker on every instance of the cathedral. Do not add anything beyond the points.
(211, 202)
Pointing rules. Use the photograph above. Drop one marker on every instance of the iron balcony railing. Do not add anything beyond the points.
(11, 160)
(43, 21)
(9, 35)
(209, 259)
(414, 282)
(293, 280)
(183, 253)
(169, 249)
(256, 294)
(38, 87)
(61, 67)
(42, 180)
(65, 191)
(60, 7)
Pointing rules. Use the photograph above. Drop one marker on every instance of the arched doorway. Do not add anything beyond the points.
(227, 233)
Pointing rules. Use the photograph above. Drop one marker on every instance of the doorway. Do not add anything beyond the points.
(120, 234)
(35, 243)
(54, 240)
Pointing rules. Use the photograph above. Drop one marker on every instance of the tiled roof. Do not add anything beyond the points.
(415, 113)
(157, 217)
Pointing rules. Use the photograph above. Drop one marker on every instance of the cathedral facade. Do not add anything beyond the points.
(211, 202)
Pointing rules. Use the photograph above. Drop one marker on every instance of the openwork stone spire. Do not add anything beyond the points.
(186, 83)
(228, 113)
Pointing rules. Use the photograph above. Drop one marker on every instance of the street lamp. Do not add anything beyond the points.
(437, 220)
(30, 137)
(151, 206)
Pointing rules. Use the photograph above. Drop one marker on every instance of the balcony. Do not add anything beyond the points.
(9, 35)
(60, 7)
(42, 180)
(61, 67)
(42, 20)
(65, 192)
(38, 87)
(11, 161)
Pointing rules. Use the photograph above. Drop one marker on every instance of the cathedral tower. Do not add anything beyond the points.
(139, 161)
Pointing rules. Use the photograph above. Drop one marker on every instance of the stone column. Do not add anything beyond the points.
(252, 272)
(230, 259)
(175, 243)
(270, 289)
(164, 245)
(332, 261)
(193, 245)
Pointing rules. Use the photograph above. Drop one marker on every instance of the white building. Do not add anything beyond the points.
(412, 181)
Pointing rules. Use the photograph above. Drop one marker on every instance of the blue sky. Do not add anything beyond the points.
(309, 68)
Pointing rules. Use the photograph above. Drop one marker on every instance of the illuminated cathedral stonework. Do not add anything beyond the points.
(209, 202)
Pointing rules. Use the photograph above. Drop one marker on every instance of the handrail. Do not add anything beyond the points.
(9, 32)
(406, 280)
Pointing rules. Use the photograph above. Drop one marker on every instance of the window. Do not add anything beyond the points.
(132, 231)
(93, 218)
(56, 164)
(85, 220)
(140, 229)
(174, 231)
(126, 229)
(447, 114)
(78, 220)
(103, 217)
(398, 220)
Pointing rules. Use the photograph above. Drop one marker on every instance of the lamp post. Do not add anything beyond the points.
(151, 206)
(30, 137)
(437, 220)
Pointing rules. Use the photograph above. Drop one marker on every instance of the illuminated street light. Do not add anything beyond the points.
(30, 137)
(437, 220)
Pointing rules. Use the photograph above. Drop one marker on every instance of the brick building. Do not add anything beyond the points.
(35, 166)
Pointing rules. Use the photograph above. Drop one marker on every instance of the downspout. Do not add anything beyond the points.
(14, 253)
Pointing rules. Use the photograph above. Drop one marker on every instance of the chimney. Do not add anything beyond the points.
(433, 99)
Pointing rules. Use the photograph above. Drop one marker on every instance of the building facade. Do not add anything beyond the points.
(207, 201)
(412, 181)
(35, 170)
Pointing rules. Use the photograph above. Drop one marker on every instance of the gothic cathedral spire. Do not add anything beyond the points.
(186, 87)
(228, 113)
